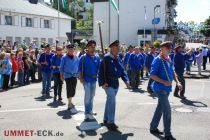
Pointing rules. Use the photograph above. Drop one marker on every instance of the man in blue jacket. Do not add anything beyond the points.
(45, 61)
(125, 62)
(144, 58)
(149, 59)
(56, 60)
(135, 64)
(110, 71)
(88, 71)
(179, 65)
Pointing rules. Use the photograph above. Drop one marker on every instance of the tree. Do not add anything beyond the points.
(191, 24)
(55, 6)
(206, 28)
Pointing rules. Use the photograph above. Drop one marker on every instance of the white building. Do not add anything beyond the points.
(21, 20)
(129, 25)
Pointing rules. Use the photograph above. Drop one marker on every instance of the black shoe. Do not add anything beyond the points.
(69, 108)
(156, 131)
(87, 120)
(150, 91)
(176, 95)
(60, 99)
(112, 126)
(183, 97)
(169, 137)
(105, 122)
(54, 100)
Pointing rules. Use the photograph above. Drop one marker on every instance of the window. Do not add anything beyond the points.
(37, 41)
(46, 24)
(43, 40)
(27, 40)
(8, 20)
(144, 36)
(50, 41)
(18, 39)
(9, 38)
(28, 22)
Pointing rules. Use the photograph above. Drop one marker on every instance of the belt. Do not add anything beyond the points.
(71, 73)
(91, 76)
(113, 78)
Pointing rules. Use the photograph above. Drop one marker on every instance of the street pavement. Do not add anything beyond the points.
(24, 109)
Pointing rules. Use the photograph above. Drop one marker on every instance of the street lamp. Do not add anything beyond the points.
(156, 6)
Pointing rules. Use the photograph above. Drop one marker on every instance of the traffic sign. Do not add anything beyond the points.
(156, 21)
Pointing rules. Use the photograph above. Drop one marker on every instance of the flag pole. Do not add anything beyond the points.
(58, 22)
(102, 48)
(145, 25)
(118, 20)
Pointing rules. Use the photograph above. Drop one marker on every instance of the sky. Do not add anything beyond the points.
(191, 10)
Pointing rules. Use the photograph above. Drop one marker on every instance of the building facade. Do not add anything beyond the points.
(20, 20)
(134, 19)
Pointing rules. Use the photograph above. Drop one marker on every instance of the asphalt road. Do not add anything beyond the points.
(24, 109)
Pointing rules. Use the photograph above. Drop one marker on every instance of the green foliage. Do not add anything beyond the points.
(55, 6)
(81, 3)
(83, 25)
(206, 28)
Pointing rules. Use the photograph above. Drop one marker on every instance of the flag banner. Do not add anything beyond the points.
(64, 4)
(112, 2)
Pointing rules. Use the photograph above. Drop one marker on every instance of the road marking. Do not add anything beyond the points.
(204, 81)
(30, 109)
(153, 103)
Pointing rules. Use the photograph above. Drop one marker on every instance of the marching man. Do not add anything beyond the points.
(88, 71)
(163, 74)
(109, 72)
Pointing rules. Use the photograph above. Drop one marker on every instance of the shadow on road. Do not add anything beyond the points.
(193, 103)
(115, 135)
(87, 132)
(41, 98)
(139, 90)
(56, 104)
(65, 114)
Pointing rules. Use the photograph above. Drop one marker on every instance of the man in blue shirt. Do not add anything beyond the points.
(162, 73)
(144, 58)
(45, 61)
(109, 72)
(56, 60)
(125, 62)
(149, 59)
(179, 65)
(135, 64)
(69, 73)
(189, 62)
(88, 71)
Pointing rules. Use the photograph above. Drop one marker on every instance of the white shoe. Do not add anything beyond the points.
(73, 111)
(91, 117)
(93, 113)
